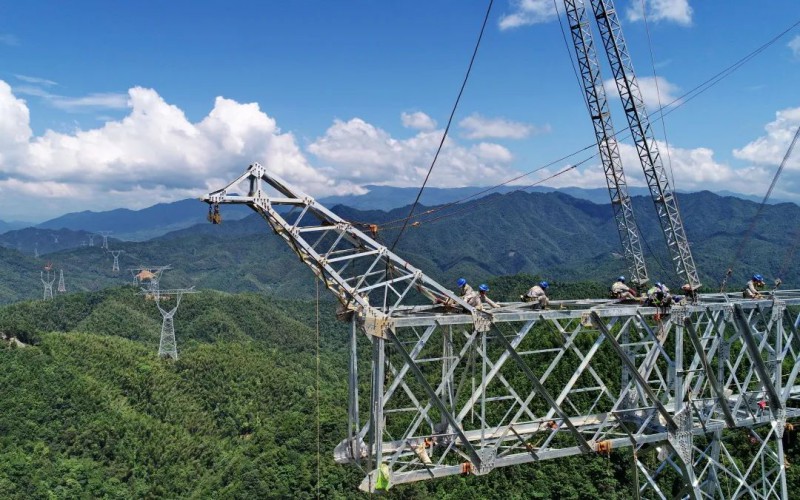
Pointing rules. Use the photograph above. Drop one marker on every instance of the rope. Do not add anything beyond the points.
(660, 113)
(319, 444)
(752, 225)
(447, 128)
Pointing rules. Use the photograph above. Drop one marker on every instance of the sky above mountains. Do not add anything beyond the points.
(106, 105)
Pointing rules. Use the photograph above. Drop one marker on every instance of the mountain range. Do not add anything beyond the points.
(552, 235)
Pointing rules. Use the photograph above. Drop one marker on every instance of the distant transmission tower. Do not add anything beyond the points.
(167, 346)
(104, 234)
(115, 253)
(48, 283)
(61, 286)
(148, 276)
(91, 240)
(36, 251)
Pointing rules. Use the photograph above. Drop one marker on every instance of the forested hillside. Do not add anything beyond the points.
(550, 234)
(90, 412)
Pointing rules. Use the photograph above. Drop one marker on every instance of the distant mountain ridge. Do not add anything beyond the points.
(552, 235)
(162, 218)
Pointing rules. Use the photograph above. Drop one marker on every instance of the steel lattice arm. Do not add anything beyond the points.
(363, 274)
(638, 121)
(595, 94)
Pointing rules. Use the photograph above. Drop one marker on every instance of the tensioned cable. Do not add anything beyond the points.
(449, 122)
(489, 200)
(752, 225)
(662, 111)
(319, 439)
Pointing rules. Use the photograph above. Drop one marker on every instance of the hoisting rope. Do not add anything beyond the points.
(754, 220)
(660, 113)
(447, 128)
(319, 444)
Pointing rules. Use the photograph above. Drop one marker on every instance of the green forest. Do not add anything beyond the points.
(89, 411)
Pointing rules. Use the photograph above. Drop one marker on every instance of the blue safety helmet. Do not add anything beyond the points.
(544, 284)
(461, 282)
(621, 278)
(484, 287)
(758, 277)
(659, 285)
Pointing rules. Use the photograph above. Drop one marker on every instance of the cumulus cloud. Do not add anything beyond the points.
(689, 170)
(528, 12)
(656, 92)
(479, 127)
(417, 120)
(153, 154)
(361, 153)
(771, 148)
(91, 102)
(677, 11)
(794, 45)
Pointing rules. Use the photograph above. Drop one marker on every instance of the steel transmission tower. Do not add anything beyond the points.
(605, 136)
(115, 265)
(167, 345)
(36, 251)
(148, 276)
(48, 283)
(91, 240)
(104, 234)
(62, 287)
(459, 390)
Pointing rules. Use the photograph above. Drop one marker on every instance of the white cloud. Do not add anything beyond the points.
(417, 120)
(771, 148)
(91, 102)
(528, 12)
(480, 127)
(688, 170)
(677, 11)
(361, 153)
(794, 45)
(656, 92)
(35, 80)
(153, 154)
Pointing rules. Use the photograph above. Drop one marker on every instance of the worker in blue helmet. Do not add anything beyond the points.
(464, 290)
(658, 295)
(622, 291)
(482, 301)
(538, 295)
(752, 288)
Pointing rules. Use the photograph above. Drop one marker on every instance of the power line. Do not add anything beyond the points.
(449, 122)
(752, 225)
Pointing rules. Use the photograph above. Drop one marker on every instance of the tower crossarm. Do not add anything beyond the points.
(367, 278)
(636, 113)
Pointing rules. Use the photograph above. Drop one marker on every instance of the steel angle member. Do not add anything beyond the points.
(481, 320)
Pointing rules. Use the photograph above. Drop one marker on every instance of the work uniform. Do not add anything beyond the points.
(659, 296)
(466, 291)
(622, 291)
(537, 294)
(751, 290)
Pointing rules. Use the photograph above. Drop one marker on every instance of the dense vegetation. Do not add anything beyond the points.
(551, 234)
(90, 412)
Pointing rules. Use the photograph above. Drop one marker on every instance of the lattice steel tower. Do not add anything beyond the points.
(48, 283)
(62, 287)
(115, 254)
(167, 345)
(454, 389)
(104, 234)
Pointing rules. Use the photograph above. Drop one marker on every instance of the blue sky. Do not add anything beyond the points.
(126, 104)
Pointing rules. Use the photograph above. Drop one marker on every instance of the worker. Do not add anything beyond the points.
(538, 294)
(658, 296)
(689, 293)
(482, 300)
(622, 291)
(464, 290)
(751, 288)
